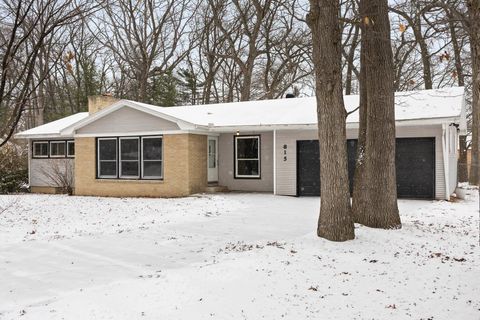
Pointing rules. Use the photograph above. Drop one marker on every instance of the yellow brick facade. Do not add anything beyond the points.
(184, 170)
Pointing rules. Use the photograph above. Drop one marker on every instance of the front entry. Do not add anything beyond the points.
(212, 159)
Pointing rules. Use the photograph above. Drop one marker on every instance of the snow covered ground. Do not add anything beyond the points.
(232, 256)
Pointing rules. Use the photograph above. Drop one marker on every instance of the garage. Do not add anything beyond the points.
(415, 166)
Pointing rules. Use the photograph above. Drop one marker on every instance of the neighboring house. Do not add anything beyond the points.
(126, 148)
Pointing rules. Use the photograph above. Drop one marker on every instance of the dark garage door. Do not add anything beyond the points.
(415, 164)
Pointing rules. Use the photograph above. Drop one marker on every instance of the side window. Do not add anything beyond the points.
(57, 149)
(70, 149)
(40, 149)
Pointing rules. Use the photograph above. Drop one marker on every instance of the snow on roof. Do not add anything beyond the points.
(52, 129)
(411, 105)
(425, 104)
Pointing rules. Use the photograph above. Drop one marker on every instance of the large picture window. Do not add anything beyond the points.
(130, 157)
(152, 157)
(107, 158)
(247, 157)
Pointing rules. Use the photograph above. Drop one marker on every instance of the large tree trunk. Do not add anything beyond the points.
(335, 221)
(474, 20)
(375, 195)
(462, 159)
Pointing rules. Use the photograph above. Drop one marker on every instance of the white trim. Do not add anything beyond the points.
(120, 175)
(142, 160)
(143, 133)
(314, 126)
(248, 159)
(98, 158)
(34, 155)
(274, 162)
(445, 140)
(64, 149)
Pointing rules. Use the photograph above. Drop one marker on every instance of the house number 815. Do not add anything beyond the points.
(284, 152)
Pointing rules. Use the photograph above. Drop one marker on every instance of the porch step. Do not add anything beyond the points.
(215, 189)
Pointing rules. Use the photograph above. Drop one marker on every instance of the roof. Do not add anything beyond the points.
(411, 105)
(52, 129)
(425, 104)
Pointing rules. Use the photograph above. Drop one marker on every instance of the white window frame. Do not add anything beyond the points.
(41, 156)
(68, 148)
(143, 160)
(58, 142)
(99, 161)
(120, 175)
(257, 176)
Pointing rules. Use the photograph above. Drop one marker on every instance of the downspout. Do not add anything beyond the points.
(445, 160)
(29, 153)
(274, 162)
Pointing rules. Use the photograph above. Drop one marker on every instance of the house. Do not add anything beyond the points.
(127, 148)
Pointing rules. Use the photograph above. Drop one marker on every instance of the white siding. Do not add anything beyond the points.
(286, 178)
(42, 169)
(226, 166)
(127, 120)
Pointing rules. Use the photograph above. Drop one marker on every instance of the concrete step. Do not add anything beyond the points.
(216, 189)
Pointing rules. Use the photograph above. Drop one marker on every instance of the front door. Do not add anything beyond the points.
(212, 159)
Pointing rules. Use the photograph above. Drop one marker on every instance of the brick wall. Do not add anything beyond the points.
(184, 170)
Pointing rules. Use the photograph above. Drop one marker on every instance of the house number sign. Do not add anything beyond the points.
(285, 152)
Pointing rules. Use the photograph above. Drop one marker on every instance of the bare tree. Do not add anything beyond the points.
(26, 27)
(375, 190)
(335, 221)
(147, 39)
(60, 173)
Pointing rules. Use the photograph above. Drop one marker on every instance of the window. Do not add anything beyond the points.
(247, 157)
(152, 157)
(107, 157)
(129, 158)
(57, 149)
(70, 149)
(40, 149)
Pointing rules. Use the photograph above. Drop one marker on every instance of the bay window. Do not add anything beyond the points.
(247, 156)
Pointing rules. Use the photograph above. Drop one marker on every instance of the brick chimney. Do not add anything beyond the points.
(97, 103)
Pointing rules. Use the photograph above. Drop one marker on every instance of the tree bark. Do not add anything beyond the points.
(474, 20)
(335, 220)
(462, 159)
(375, 195)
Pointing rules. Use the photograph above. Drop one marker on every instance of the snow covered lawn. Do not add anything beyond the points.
(232, 256)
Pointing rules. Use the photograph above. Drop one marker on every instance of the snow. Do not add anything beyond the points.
(52, 129)
(231, 256)
(412, 105)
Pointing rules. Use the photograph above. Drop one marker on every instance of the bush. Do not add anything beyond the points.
(13, 168)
